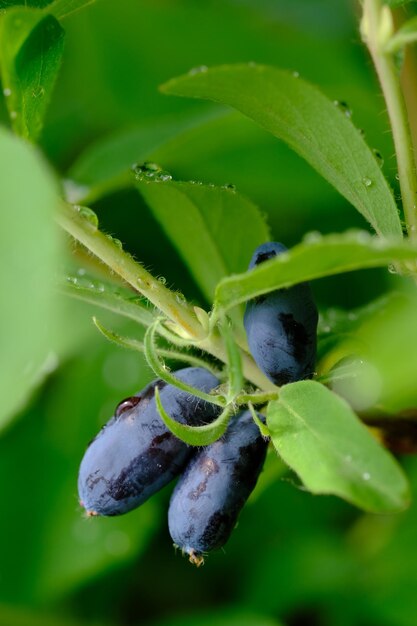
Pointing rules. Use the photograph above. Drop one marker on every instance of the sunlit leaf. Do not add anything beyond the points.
(313, 258)
(319, 436)
(215, 229)
(310, 123)
(31, 47)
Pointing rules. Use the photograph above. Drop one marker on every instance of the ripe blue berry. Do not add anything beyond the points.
(281, 326)
(214, 487)
(134, 455)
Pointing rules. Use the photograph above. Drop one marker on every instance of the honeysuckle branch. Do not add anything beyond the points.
(178, 311)
(167, 353)
(377, 28)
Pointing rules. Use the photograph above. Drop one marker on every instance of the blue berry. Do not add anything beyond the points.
(214, 487)
(281, 327)
(134, 455)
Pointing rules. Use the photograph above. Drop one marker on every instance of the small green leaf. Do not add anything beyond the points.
(134, 344)
(29, 255)
(106, 296)
(215, 229)
(298, 113)
(195, 435)
(320, 256)
(405, 35)
(31, 47)
(318, 435)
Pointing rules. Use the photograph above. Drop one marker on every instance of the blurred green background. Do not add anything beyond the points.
(294, 559)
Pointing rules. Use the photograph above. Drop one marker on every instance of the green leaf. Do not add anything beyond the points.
(62, 8)
(106, 296)
(195, 435)
(314, 258)
(134, 344)
(31, 47)
(29, 256)
(215, 229)
(319, 131)
(318, 435)
(105, 165)
(406, 34)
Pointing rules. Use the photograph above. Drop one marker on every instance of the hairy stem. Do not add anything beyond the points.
(179, 312)
(376, 24)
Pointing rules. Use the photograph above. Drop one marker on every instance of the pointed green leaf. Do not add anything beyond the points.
(106, 296)
(299, 114)
(322, 256)
(319, 436)
(31, 47)
(215, 229)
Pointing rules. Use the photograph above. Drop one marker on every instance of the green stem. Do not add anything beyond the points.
(376, 18)
(181, 313)
(125, 266)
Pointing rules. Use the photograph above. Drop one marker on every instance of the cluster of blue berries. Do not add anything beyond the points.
(135, 455)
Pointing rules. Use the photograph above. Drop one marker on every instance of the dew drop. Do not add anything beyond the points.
(367, 181)
(81, 271)
(150, 172)
(87, 214)
(296, 74)
(13, 115)
(229, 187)
(115, 241)
(198, 70)
(366, 476)
(397, 176)
(344, 107)
(180, 298)
(313, 237)
(379, 157)
(7, 92)
(162, 280)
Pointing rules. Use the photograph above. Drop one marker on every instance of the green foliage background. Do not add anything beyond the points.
(294, 559)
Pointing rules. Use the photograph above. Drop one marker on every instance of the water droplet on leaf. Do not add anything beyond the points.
(344, 107)
(198, 70)
(367, 181)
(378, 157)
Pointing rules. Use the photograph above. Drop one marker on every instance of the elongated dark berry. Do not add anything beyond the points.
(281, 326)
(135, 455)
(214, 487)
